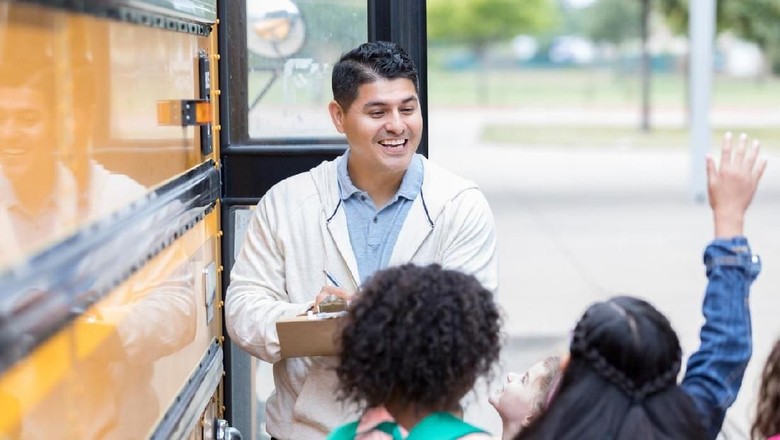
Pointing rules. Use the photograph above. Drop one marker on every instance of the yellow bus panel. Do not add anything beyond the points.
(114, 371)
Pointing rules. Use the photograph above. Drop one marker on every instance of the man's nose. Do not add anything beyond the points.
(7, 128)
(395, 123)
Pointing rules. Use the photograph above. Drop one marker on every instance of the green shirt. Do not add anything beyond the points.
(436, 426)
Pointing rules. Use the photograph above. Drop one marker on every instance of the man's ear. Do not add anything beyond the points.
(336, 115)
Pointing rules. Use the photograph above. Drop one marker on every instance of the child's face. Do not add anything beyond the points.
(515, 402)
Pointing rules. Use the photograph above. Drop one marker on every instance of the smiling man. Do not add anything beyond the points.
(378, 205)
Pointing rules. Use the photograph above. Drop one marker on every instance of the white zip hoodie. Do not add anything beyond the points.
(298, 229)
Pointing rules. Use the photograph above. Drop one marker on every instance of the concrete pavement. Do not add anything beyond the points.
(578, 225)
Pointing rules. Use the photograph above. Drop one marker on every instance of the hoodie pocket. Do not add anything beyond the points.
(317, 407)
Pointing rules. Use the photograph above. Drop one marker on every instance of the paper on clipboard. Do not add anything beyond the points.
(314, 334)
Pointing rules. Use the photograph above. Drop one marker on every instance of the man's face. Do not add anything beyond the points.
(383, 127)
(25, 130)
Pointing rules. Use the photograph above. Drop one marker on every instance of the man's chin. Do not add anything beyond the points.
(16, 169)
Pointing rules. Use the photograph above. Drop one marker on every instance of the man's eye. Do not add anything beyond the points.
(407, 111)
(376, 114)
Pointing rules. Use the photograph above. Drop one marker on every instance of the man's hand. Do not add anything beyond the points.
(732, 186)
(332, 290)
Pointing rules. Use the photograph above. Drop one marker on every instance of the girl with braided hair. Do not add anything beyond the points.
(767, 423)
(620, 381)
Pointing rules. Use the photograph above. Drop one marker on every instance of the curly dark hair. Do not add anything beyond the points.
(418, 336)
(368, 63)
(767, 421)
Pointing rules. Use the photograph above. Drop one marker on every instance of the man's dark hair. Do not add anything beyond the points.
(418, 336)
(621, 381)
(368, 63)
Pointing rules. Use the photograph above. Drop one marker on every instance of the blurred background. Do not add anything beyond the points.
(575, 118)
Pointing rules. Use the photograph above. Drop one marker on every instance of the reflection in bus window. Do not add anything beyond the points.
(35, 186)
(41, 198)
(292, 45)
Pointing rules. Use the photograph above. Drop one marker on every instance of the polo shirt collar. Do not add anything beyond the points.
(410, 185)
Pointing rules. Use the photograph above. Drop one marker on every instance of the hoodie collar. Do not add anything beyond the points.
(410, 185)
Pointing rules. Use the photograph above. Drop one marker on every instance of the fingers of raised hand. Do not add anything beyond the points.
(742, 159)
(739, 153)
(725, 152)
(758, 171)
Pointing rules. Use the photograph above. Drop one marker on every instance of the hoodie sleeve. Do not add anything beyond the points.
(256, 296)
(470, 245)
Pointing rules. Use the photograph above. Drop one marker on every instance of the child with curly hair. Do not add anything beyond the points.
(415, 341)
(767, 423)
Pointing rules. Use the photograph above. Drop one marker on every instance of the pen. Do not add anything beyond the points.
(331, 278)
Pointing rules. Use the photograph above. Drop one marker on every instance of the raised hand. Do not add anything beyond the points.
(732, 185)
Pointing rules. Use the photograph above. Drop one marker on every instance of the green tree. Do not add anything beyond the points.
(613, 21)
(676, 14)
(616, 21)
(757, 21)
(478, 23)
(753, 20)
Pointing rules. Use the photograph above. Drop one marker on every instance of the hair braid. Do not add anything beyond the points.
(638, 392)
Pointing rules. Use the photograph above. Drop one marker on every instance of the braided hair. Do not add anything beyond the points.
(621, 382)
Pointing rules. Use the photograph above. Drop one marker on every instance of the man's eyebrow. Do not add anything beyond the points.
(384, 103)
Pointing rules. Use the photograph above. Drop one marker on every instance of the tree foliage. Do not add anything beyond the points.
(757, 21)
(676, 14)
(753, 20)
(478, 22)
(613, 21)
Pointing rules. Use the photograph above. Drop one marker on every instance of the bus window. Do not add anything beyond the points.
(291, 48)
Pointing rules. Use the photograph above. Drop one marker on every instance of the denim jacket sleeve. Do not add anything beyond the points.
(714, 372)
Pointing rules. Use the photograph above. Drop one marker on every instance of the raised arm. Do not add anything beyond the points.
(714, 373)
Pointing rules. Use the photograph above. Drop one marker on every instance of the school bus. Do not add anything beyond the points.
(135, 138)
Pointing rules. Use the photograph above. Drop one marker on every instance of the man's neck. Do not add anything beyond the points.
(380, 187)
(34, 197)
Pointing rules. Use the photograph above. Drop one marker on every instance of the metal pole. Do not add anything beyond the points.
(702, 41)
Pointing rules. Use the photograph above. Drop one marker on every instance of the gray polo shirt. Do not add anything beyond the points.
(373, 231)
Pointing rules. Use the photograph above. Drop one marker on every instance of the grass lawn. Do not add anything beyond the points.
(596, 89)
(619, 137)
(591, 87)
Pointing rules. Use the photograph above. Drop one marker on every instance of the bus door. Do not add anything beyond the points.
(276, 60)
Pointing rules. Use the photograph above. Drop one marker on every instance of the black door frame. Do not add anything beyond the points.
(249, 167)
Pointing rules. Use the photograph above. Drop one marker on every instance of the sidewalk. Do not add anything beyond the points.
(580, 225)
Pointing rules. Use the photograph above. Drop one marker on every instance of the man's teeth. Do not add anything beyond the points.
(393, 143)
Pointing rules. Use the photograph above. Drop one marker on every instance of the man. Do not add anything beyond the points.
(378, 205)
